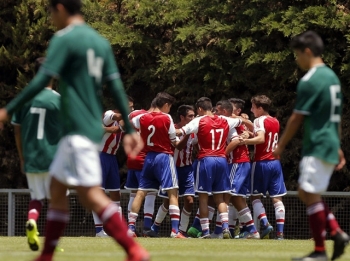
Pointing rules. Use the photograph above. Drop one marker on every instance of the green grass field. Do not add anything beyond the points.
(167, 249)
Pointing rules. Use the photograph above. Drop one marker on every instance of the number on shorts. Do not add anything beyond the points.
(94, 65)
(41, 123)
(152, 129)
(274, 142)
(335, 102)
(221, 131)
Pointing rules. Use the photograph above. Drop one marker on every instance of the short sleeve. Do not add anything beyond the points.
(232, 134)
(172, 132)
(110, 69)
(192, 126)
(306, 98)
(108, 118)
(16, 119)
(259, 124)
(57, 56)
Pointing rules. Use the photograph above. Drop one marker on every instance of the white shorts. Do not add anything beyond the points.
(314, 174)
(39, 185)
(77, 162)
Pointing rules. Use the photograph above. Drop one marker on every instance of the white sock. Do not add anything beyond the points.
(184, 220)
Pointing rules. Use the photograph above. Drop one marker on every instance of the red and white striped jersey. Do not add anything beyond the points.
(241, 153)
(157, 131)
(213, 132)
(137, 162)
(110, 141)
(184, 157)
(271, 127)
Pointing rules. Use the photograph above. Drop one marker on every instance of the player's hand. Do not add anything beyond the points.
(3, 115)
(178, 132)
(277, 152)
(133, 144)
(245, 116)
(244, 135)
(342, 160)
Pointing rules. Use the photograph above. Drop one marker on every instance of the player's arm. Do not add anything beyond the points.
(232, 145)
(183, 142)
(16, 122)
(112, 129)
(191, 127)
(258, 139)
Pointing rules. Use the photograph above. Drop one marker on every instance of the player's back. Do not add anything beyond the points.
(241, 153)
(155, 130)
(212, 135)
(40, 130)
(322, 111)
(270, 126)
(82, 65)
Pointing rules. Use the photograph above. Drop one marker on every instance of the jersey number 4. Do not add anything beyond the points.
(41, 122)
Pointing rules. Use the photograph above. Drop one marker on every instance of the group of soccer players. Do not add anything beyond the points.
(221, 176)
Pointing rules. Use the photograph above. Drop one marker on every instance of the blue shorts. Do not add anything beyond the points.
(212, 176)
(110, 172)
(133, 179)
(186, 181)
(158, 172)
(240, 178)
(267, 176)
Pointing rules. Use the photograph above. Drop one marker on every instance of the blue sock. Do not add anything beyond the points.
(280, 228)
(224, 226)
(98, 229)
(132, 228)
(264, 222)
(155, 227)
(174, 213)
(197, 224)
(147, 223)
(218, 229)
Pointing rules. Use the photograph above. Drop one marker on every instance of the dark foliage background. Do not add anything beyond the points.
(215, 48)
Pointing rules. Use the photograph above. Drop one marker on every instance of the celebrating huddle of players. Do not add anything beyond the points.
(221, 175)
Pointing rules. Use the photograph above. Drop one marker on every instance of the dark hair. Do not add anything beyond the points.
(261, 101)
(184, 109)
(72, 6)
(163, 98)
(204, 103)
(239, 103)
(130, 99)
(38, 62)
(153, 103)
(226, 105)
(308, 39)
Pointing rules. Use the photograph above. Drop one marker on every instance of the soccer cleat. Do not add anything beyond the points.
(265, 231)
(314, 256)
(206, 236)
(226, 234)
(137, 253)
(216, 236)
(193, 232)
(341, 240)
(173, 234)
(247, 235)
(279, 236)
(149, 233)
(183, 233)
(32, 235)
(102, 233)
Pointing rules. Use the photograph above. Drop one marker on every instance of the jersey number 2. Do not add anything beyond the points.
(41, 122)
(94, 65)
(152, 129)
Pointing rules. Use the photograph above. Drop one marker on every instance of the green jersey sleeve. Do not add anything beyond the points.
(16, 119)
(306, 98)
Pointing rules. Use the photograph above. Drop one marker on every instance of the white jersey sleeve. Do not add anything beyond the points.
(232, 122)
(192, 126)
(259, 124)
(136, 121)
(172, 131)
(108, 118)
(232, 134)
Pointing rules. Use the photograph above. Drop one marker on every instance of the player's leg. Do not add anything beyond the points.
(203, 214)
(148, 208)
(232, 218)
(113, 182)
(37, 183)
(161, 213)
(260, 179)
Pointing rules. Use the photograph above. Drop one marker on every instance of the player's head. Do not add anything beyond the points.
(203, 105)
(61, 10)
(260, 105)
(185, 114)
(164, 101)
(224, 108)
(238, 105)
(307, 46)
(131, 103)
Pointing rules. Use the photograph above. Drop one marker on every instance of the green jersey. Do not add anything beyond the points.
(319, 98)
(40, 130)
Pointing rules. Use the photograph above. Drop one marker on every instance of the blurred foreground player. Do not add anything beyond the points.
(83, 60)
(318, 105)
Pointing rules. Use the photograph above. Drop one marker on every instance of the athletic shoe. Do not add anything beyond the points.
(149, 233)
(137, 253)
(341, 240)
(247, 235)
(131, 233)
(314, 256)
(265, 231)
(173, 234)
(226, 233)
(279, 236)
(183, 233)
(216, 236)
(102, 233)
(32, 235)
(206, 236)
(193, 232)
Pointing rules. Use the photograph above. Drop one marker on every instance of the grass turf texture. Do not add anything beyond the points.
(96, 249)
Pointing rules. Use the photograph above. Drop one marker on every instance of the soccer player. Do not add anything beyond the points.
(239, 172)
(212, 173)
(158, 132)
(183, 162)
(267, 172)
(37, 133)
(83, 60)
(318, 105)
